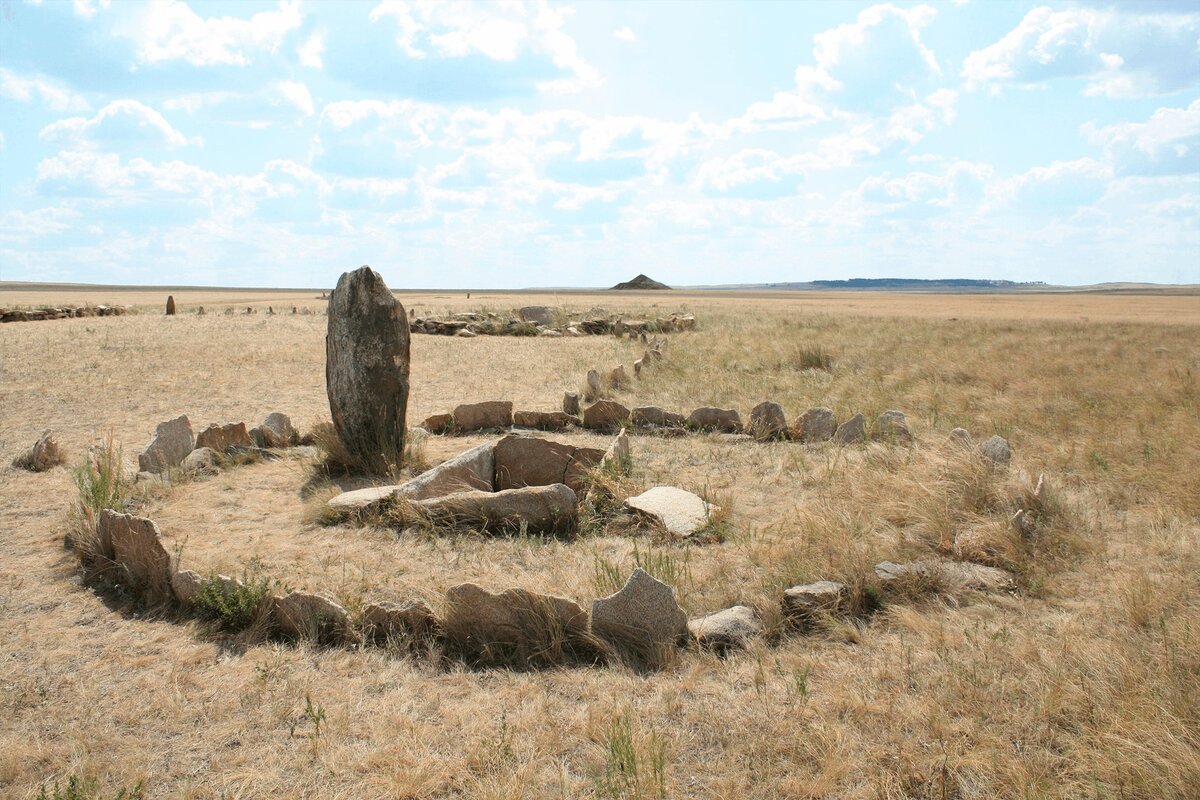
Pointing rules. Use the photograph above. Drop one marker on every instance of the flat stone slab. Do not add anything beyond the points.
(470, 469)
(955, 574)
(517, 627)
(679, 511)
(803, 603)
(536, 509)
(640, 620)
(726, 630)
(362, 499)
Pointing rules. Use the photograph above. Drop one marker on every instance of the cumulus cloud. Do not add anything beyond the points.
(1120, 55)
(169, 30)
(47, 91)
(120, 122)
(1166, 144)
(1059, 188)
(501, 32)
(311, 51)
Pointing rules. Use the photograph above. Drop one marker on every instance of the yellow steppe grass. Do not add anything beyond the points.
(1086, 683)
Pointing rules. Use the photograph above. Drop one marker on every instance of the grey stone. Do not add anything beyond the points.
(220, 438)
(642, 620)
(483, 416)
(312, 617)
(851, 431)
(186, 585)
(539, 315)
(535, 509)
(803, 604)
(202, 461)
(891, 427)
(815, 425)
(277, 431)
(997, 451)
(470, 469)
(680, 512)
(767, 421)
(604, 415)
(44, 454)
(361, 500)
(733, 628)
(171, 443)
(617, 377)
(544, 420)
(366, 370)
(593, 384)
(136, 544)
(657, 417)
(412, 621)
(517, 628)
(724, 420)
(570, 404)
(619, 453)
(952, 574)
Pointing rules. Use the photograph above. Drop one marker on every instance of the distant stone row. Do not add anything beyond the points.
(547, 321)
(63, 312)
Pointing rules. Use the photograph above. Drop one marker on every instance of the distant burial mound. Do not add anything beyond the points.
(641, 282)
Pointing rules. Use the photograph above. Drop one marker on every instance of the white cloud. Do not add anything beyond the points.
(310, 53)
(750, 168)
(1167, 143)
(296, 94)
(500, 32)
(119, 121)
(88, 8)
(169, 30)
(1058, 188)
(625, 34)
(1120, 55)
(52, 94)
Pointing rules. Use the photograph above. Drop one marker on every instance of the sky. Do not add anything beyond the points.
(519, 144)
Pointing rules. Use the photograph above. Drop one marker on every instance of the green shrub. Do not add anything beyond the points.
(233, 605)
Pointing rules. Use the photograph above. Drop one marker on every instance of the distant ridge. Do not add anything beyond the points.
(641, 282)
(895, 284)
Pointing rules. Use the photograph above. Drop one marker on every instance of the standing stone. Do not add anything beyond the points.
(136, 544)
(313, 617)
(767, 421)
(44, 454)
(220, 438)
(170, 305)
(593, 384)
(171, 443)
(851, 431)
(604, 415)
(643, 619)
(961, 437)
(570, 404)
(517, 628)
(815, 425)
(277, 431)
(997, 452)
(366, 369)
(892, 426)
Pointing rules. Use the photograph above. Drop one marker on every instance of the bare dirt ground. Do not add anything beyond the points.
(1083, 683)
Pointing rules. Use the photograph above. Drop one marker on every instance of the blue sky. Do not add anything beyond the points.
(542, 144)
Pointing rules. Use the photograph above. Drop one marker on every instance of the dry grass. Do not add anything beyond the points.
(1085, 683)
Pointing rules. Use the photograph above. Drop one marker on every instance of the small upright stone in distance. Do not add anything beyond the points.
(170, 305)
(892, 427)
(570, 404)
(851, 431)
(997, 451)
(366, 370)
(815, 425)
(768, 422)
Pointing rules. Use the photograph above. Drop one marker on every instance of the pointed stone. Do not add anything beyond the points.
(851, 431)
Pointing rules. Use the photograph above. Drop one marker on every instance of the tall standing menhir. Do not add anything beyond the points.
(366, 370)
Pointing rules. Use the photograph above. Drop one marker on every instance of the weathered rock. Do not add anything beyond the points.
(483, 416)
(362, 500)
(170, 305)
(412, 622)
(619, 453)
(202, 461)
(815, 425)
(768, 422)
(604, 415)
(593, 385)
(470, 469)
(136, 544)
(637, 369)
(617, 377)
(534, 509)
(171, 443)
(642, 620)
(680, 512)
(544, 420)
(224, 437)
(277, 431)
(538, 315)
(366, 370)
(186, 585)
(657, 417)
(706, 418)
(44, 454)
(438, 423)
(851, 431)
(733, 628)
(997, 451)
(891, 427)
(570, 404)
(962, 438)
(803, 604)
(313, 617)
(517, 628)
(530, 461)
(951, 574)
(550, 332)
(466, 333)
